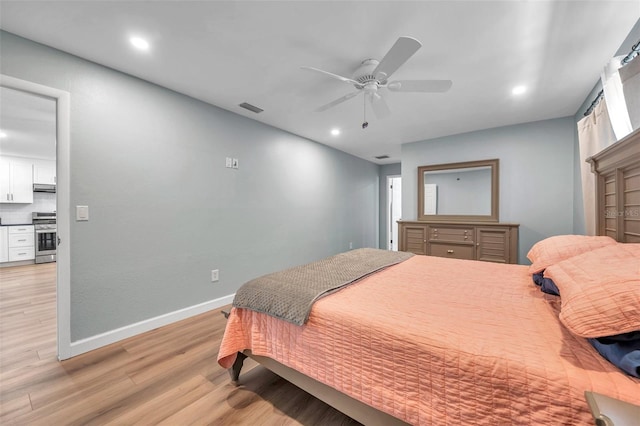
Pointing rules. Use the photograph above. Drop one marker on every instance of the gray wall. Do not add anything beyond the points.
(150, 164)
(386, 171)
(536, 173)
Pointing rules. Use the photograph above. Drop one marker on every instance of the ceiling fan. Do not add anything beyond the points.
(373, 75)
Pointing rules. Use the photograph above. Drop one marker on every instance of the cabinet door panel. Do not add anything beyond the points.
(414, 239)
(4, 244)
(493, 244)
(44, 174)
(5, 180)
(22, 182)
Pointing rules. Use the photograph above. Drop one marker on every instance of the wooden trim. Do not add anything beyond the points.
(495, 191)
(82, 346)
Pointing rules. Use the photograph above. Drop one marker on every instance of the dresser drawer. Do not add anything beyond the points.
(463, 235)
(454, 251)
(22, 253)
(21, 229)
(21, 240)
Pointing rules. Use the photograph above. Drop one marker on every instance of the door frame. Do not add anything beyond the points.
(390, 211)
(63, 206)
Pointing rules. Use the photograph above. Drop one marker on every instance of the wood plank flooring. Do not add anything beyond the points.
(168, 376)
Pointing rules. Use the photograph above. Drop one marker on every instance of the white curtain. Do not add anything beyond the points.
(594, 134)
(630, 77)
(615, 96)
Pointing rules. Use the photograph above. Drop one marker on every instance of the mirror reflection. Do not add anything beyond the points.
(459, 191)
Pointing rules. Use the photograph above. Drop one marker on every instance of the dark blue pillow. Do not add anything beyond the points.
(546, 284)
(624, 355)
(624, 337)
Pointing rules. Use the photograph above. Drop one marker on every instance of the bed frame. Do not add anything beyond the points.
(617, 170)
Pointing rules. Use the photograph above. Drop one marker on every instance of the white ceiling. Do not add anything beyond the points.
(29, 123)
(230, 52)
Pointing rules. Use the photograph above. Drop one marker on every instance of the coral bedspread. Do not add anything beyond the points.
(441, 341)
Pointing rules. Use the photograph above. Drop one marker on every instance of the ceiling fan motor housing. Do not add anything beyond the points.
(364, 75)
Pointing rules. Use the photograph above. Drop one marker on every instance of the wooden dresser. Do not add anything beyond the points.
(487, 241)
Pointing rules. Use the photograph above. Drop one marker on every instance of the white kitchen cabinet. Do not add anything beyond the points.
(44, 173)
(4, 244)
(21, 243)
(16, 181)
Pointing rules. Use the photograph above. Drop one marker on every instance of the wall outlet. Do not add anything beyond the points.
(350, 245)
(215, 275)
(229, 162)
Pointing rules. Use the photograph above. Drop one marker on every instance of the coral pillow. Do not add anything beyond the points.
(600, 290)
(556, 249)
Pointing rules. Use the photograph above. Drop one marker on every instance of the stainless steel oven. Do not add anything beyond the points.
(45, 229)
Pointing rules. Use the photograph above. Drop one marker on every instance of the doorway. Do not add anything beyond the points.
(61, 99)
(394, 209)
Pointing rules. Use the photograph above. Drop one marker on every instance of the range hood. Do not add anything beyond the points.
(44, 187)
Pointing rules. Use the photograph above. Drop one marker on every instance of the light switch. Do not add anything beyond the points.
(229, 162)
(235, 163)
(82, 213)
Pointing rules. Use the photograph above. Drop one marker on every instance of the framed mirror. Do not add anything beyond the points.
(466, 191)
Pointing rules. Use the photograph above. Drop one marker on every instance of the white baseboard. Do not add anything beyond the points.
(94, 342)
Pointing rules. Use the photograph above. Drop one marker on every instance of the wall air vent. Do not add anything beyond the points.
(251, 108)
(381, 157)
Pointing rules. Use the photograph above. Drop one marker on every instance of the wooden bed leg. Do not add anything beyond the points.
(234, 371)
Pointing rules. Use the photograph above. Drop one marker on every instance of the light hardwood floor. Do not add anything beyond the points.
(166, 376)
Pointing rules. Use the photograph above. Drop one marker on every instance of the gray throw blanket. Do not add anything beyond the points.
(289, 294)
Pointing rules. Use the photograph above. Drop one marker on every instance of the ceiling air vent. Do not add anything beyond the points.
(251, 108)
(381, 157)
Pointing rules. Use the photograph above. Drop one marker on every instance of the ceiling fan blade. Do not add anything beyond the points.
(332, 75)
(399, 53)
(428, 86)
(379, 106)
(337, 101)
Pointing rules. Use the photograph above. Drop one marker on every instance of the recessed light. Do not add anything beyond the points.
(139, 43)
(3, 135)
(335, 132)
(518, 90)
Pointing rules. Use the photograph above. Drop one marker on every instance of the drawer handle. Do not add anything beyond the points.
(450, 251)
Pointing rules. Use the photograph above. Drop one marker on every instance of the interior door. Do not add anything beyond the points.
(395, 210)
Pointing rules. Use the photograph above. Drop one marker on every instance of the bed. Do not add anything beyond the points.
(433, 340)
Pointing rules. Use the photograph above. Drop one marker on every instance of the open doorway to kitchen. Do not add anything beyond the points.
(394, 209)
(34, 214)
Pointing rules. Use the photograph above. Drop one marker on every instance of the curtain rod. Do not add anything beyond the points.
(635, 51)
